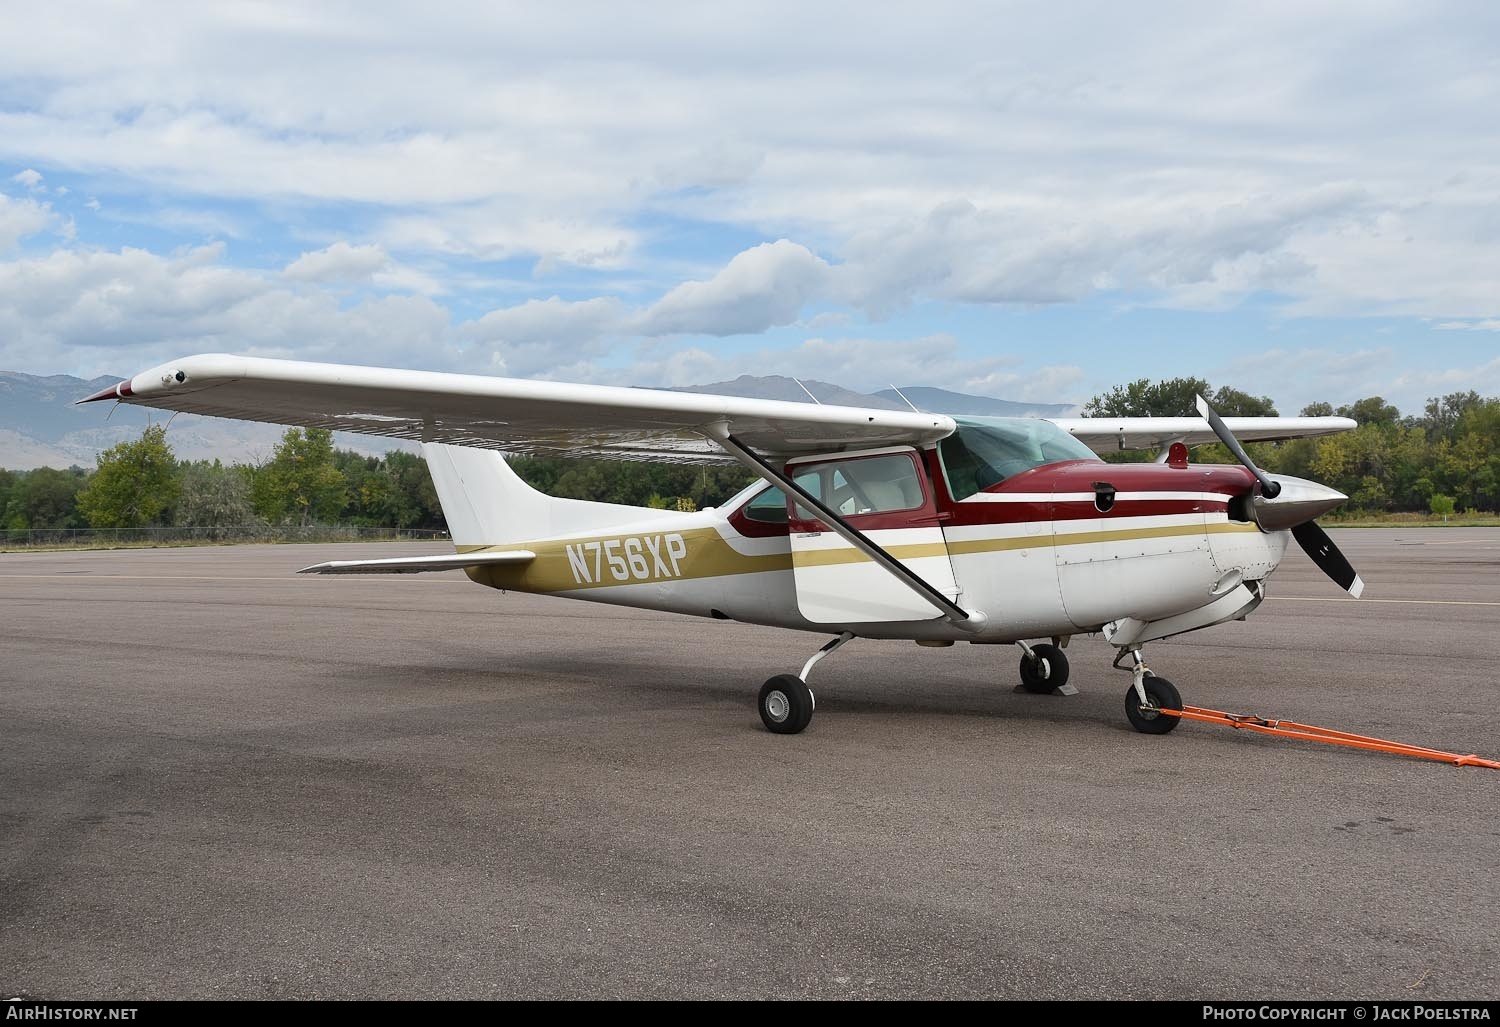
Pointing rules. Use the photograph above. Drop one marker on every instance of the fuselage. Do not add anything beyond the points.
(1067, 546)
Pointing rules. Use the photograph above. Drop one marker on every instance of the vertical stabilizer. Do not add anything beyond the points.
(487, 504)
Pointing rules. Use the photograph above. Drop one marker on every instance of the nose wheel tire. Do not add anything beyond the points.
(786, 704)
(1149, 720)
(1044, 670)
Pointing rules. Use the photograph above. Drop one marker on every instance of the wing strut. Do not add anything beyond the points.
(957, 615)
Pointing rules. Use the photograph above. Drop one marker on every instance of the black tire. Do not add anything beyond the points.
(1047, 671)
(1161, 692)
(786, 704)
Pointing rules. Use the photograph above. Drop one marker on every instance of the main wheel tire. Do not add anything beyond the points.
(1164, 695)
(786, 704)
(1044, 670)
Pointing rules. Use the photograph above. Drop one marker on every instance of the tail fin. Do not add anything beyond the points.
(487, 504)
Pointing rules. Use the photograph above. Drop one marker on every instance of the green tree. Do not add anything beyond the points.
(364, 485)
(630, 482)
(1441, 416)
(7, 486)
(1177, 397)
(45, 498)
(300, 483)
(135, 484)
(1441, 505)
(1231, 402)
(414, 499)
(1408, 466)
(213, 495)
(1173, 397)
(1373, 410)
(1480, 425)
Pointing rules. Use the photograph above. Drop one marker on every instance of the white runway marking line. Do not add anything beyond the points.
(1407, 602)
(1451, 542)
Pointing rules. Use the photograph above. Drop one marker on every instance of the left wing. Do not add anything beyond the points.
(1112, 434)
(515, 415)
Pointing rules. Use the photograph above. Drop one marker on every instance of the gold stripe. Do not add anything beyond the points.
(710, 556)
(848, 554)
(992, 545)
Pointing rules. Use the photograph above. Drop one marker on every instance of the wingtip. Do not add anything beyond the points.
(120, 390)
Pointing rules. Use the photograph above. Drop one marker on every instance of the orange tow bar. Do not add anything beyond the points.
(1306, 732)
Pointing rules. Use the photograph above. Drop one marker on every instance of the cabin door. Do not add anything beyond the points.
(886, 496)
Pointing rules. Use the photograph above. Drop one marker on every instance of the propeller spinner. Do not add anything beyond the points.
(1285, 503)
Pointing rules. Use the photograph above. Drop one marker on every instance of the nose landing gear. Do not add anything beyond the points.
(1147, 696)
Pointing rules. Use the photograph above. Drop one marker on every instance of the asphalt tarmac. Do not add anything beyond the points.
(222, 780)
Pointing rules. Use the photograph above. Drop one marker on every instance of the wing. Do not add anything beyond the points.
(515, 415)
(1112, 434)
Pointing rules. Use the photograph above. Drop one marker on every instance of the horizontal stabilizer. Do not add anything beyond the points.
(419, 564)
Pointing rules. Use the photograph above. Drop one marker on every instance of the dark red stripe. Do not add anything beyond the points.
(1222, 482)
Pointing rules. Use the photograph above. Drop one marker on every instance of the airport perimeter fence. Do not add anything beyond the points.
(97, 538)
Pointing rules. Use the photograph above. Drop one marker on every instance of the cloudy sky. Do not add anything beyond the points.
(1027, 201)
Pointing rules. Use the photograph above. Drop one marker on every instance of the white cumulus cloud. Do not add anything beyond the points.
(22, 218)
(762, 287)
(120, 311)
(1489, 324)
(339, 263)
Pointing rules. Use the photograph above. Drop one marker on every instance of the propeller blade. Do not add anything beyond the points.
(1313, 539)
(1316, 543)
(1268, 488)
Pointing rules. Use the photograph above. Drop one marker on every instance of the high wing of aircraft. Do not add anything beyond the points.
(863, 523)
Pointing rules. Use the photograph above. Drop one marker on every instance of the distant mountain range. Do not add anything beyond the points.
(40, 425)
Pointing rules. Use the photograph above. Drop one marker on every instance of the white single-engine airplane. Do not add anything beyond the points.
(864, 523)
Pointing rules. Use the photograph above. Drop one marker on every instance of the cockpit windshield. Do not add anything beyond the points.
(984, 451)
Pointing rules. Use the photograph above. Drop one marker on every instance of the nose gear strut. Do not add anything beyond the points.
(1149, 700)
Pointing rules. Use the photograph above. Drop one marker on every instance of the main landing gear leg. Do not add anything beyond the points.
(786, 703)
(1147, 696)
(1044, 669)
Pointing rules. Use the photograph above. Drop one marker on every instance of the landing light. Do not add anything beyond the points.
(1227, 583)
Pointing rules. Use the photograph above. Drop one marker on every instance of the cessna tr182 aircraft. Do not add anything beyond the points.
(863, 523)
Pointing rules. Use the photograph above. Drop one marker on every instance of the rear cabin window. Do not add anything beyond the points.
(769, 507)
(984, 453)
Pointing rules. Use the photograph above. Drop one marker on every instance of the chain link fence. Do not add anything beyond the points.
(99, 538)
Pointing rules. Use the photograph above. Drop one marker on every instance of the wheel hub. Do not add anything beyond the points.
(778, 706)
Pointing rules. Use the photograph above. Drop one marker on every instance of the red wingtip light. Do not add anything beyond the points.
(119, 391)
